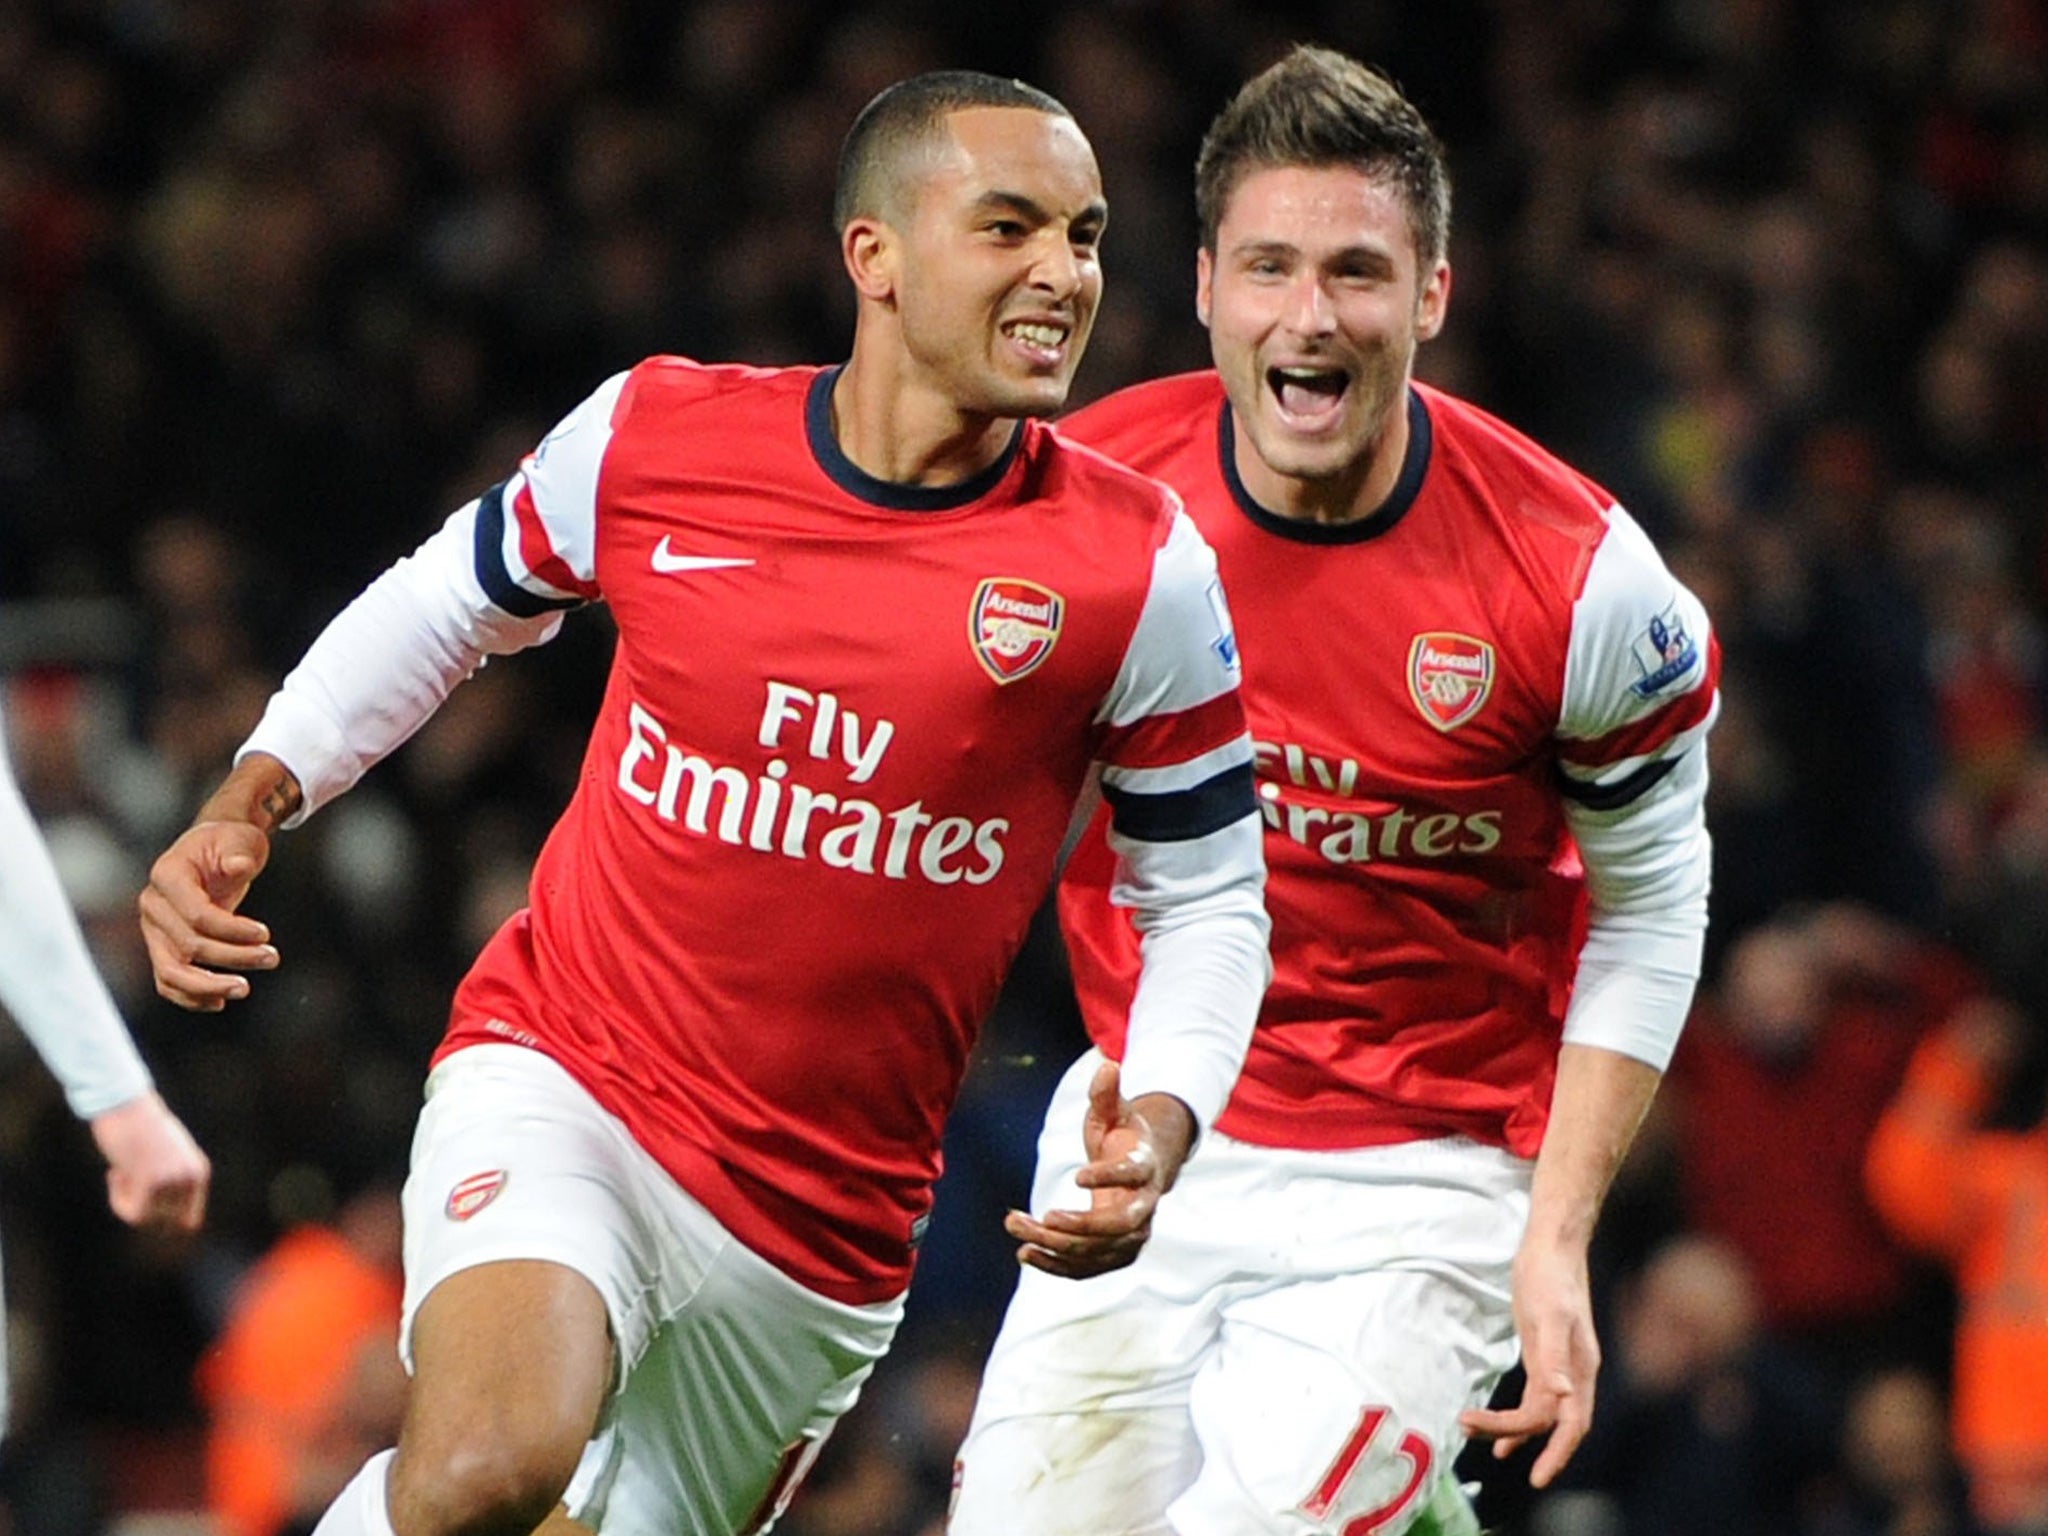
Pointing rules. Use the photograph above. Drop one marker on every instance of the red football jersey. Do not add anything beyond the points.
(1425, 689)
(846, 729)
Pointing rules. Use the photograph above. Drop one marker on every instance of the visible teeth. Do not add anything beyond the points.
(1305, 392)
(1038, 335)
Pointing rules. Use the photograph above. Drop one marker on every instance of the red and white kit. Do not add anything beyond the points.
(846, 732)
(1477, 717)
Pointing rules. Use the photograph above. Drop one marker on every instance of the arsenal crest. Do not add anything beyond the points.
(1449, 677)
(474, 1193)
(1013, 625)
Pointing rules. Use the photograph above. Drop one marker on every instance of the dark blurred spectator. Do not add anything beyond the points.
(1779, 1080)
(1998, 880)
(1703, 1429)
(1978, 1199)
(1761, 841)
(1832, 637)
(888, 1471)
(50, 1482)
(1987, 656)
(860, 1487)
(1899, 1477)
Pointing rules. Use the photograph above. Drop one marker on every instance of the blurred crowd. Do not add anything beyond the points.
(280, 285)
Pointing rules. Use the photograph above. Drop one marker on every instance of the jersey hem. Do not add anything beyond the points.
(763, 1227)
(1349, 1126)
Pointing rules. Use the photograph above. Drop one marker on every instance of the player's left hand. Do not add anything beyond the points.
(156, 1175)
(1560, 1355)
(1134, 1154)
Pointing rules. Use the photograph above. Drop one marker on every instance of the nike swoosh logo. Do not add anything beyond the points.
(668, 562)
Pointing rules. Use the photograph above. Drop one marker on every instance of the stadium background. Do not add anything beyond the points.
(282, 284)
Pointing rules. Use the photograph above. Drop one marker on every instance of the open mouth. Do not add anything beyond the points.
(1308, 397)
(1043, 340)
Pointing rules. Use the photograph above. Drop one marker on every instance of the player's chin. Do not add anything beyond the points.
(1319, 457)
(1040, 395)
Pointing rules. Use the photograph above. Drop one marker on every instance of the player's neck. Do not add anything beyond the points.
(894, 430)
(1353, 495)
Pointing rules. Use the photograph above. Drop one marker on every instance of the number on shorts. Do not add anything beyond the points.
(795, 1465)
(1413, 1448)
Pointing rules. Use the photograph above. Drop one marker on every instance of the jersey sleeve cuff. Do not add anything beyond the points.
(1633, 993)
(123, 1083)
(301, 736)
(1201, 1079)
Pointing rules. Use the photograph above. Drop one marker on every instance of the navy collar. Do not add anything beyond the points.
(1414, 465)
(857, 482)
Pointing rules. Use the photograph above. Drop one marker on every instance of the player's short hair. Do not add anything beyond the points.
(1318, 108)
(904, 119)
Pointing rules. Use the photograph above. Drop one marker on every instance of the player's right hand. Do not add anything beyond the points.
(195, 936)
(1560, 1356)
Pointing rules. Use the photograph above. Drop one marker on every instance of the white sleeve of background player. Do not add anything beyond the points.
(47, 980)
(1177, 773)
(1641, 692)
(494, 580)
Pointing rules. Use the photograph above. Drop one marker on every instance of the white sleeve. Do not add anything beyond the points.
(1641, 693)
(494, 580)
(47, 980)
(1191, 864)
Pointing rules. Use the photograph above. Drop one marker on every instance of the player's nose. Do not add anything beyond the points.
(1309, 311)
(1059, 269)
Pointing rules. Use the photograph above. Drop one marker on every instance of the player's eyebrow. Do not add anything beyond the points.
(1245, 249)
(1357, 258)
(1363, 258)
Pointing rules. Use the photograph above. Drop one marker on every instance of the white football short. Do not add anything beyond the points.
(1289, 1354)
(731, 1374)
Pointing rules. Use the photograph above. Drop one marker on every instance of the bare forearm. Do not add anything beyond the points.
(260, 792)
(1595, 1110)
(1599, 1101)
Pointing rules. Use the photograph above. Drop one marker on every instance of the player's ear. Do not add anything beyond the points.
(1433, 303)
(869, 248)
(1205, 283)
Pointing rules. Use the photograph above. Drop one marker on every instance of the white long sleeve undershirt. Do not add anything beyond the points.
(47, 979)
(1647, 868)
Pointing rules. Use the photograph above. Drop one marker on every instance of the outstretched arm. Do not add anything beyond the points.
(374, 676)
(479, 587)
(1646, 867)
(1641, 693)
(1934, 1175)
(155, 1173)
(1599, 1102)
